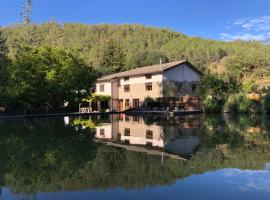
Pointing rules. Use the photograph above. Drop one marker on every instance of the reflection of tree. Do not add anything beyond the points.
(235, 130)
(44, 155)
(39, 154)
(172, 88)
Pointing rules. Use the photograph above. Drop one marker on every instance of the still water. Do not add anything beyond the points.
(136, 157)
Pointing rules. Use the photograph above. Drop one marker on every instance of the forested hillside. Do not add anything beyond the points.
(137, 45)
(230, 67)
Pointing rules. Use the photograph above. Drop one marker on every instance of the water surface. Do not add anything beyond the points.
(136, 157)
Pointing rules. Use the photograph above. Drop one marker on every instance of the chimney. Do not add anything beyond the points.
(160, 63)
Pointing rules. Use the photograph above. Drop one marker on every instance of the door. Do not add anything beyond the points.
(136, 103)
(121, 105)
(127, 104)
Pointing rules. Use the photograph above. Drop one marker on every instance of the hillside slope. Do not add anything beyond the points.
(145, 45)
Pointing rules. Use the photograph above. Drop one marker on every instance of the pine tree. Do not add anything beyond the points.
(27, 10)
(113, 59)
(28, 35)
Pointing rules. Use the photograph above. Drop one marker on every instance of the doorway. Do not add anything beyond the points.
(136, 103)
(121, 105)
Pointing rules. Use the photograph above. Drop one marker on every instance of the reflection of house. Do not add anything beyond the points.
(104, 131)
(130, 88)
(181, 139)
(134, 131)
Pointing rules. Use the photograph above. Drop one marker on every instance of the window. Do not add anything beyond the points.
(127, 132)
(126, 79)
(102, 132)
(101, 88)
(126, 88)
(149, 134)
(148, 86)
(127, 104)
(148, 76)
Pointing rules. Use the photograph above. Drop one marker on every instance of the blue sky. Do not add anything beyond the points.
(217, 19)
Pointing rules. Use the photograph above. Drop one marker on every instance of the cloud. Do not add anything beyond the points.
(248, 180)
(245, 36)
(254, 24)
(248, 29)
(229, 172)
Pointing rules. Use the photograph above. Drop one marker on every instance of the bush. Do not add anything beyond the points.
(212, 104)
(149, 102)
(266, 104)
(231, 103)
(241, 104)
(244, 105)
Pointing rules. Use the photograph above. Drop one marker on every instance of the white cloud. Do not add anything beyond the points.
(249, 180)
(245, 36)
(254, 24)
(233, 172)
(248, 29)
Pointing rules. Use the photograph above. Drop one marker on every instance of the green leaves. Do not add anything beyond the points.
(113, 59)
(4, 69)
(48, 76)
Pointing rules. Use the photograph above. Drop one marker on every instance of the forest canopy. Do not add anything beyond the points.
(238, 66)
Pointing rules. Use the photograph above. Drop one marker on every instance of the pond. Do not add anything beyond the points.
(136, 157)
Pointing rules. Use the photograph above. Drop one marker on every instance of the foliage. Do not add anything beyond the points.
(231, 103)
(150, 102)
(218, 85)
(84, 123)
(45, 155)
(241, 104)
(143, 46)
(266, 103)
(212, 104)
(46, 77)
(114, 48)
(250, 86)
(97, 97)
(113, 58)
(244, 105)
(245, 61)
(4, 69)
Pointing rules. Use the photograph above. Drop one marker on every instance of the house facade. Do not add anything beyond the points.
(130, 88)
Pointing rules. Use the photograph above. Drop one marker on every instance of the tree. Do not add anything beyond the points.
(45, 77)
(147, 58)
(113, 59)
(28, 34)
(4, 69)
(27, 9)
(54, 37)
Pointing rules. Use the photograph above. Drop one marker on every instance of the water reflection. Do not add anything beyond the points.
(179, 136)
(59, 158)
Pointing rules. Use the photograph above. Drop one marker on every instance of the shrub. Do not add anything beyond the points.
(241, 104)
(231, 103)
(149, 102)
(266, 104)
(212, 104)
(244, 105)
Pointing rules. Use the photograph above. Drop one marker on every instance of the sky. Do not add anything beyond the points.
(216, 19)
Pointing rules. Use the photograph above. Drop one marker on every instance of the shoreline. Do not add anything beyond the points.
(99, 113)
